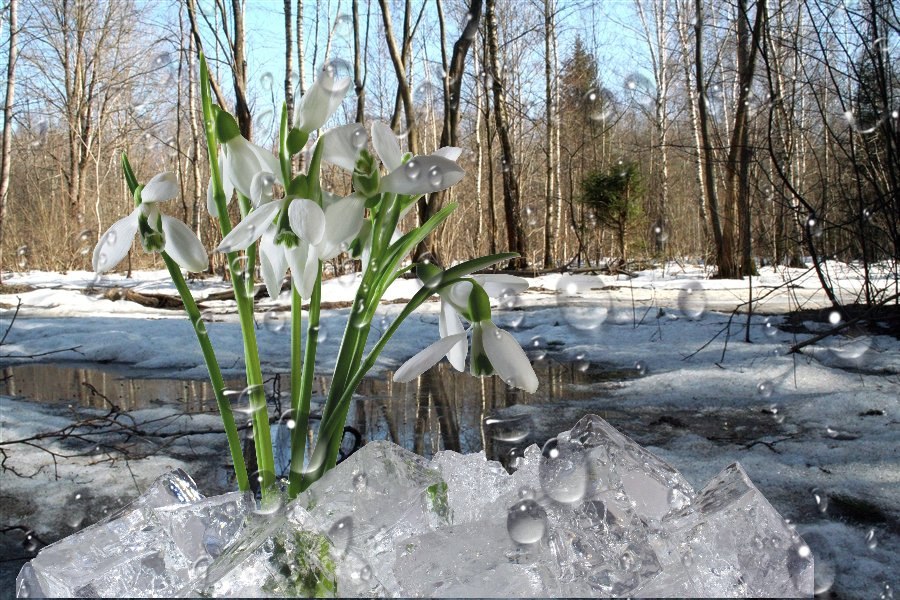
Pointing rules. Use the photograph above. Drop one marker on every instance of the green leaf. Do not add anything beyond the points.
(479, 304)
(226, 127)
(130, 179)
(312, 173)
(477, 264)
(296, 140)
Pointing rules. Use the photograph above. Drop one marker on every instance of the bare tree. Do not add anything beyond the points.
(6, 147)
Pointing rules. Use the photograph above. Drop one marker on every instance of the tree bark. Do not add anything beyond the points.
(239, 72)
(515, 233)
(359, 72)
(549, 126)
(6, 146)
(288, 61)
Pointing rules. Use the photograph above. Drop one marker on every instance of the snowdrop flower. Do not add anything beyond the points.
(158, 232)
(312, 233)
(493, 350)
(320, 101)
(419, 175)
(240, 162)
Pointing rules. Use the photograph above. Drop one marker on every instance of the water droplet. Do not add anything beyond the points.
(343, 25)
(661, 233)
(360, 481)
(871, 542)
(765, 388)
(412, 169)
(266, 80)
(199, 325)
(834, 317)
(337, 69)
(249, 400)
(341, 534)
(536, 348)
(509, 314)
(425, 95)
(600, 104)
(359, 138)
(435, 177)
(508, 429)
(365, 573)
(583, 303)
(692, 300)
(321, 333)
(641, 368)
(526, 493)
(770, 329)
(526, 522)
(821, 500)
(162, 59)
(581, 363)
(270, 505)
(30, 543)
(563, 471)
(814, 226)
(273, 321)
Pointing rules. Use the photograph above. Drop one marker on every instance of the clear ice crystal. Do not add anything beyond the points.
(592, 514)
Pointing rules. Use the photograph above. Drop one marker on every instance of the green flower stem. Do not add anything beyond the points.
(215, 375)
(260, 418)
(300, 400)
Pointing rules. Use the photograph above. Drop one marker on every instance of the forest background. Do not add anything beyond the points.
(737, 133)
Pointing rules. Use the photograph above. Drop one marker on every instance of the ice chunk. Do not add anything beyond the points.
(382, 494)
(474, 560)
(732, 543)
(149, 548)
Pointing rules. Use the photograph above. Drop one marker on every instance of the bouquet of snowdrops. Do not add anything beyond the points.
(296, 232)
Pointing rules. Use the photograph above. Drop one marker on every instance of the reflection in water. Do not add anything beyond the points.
(441, 410)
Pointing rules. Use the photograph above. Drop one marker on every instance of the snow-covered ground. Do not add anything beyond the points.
(817, 431)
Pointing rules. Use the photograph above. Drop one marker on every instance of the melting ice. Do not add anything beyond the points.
(590, 514)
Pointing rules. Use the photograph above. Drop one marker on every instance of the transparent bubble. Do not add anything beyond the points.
(850, 346)
(834, 317)
(425, 95)
(343, 25)
(862, 125)
(823, 575)
(814, 226)
(365, 573)
(199, 325)
(360, 481)
(765, 388)
(515, 458)
(248, 401)
(527, 493)
(266, 80)
(769, 327)
(563, 471)
(508, 429)
(639, 87)
(640, 368)
(359, 138)
(162, 59)
(536, 348)
(661, 234)
(321, 333)
(274, 321)
(270, 505)
(581, 362)
(337, 69)
(692, 300)
(526, 522)
(600, 104)
(821, 500)
(412, 170)
(582, 302)
(341, 535)
(887, 593)
(24, 252)
(435, 177)
(509, 313)
(871, 541)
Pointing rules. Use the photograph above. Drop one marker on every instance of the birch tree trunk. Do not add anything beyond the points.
(6, 145)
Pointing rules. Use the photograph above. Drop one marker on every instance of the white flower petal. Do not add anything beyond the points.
(449, 152)
(303, 261)
(307, 220)
(386, 146)
(427, 358)
(449, 324)
(422, 175)
(509, 360)
(321, 100)
(250, 228)
(161, 188)
(183, 246)
(272, 263)
(115, 243)
(343, 220)
(496, 285)
(227, 187)
(241, 164)
(267, 162)
(343, 145)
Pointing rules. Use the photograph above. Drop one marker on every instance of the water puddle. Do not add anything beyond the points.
(442, 410)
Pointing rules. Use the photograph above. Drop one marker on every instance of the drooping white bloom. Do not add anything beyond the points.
(320, 101)
(243, 161)
(178, 241)
(503, 354)
(422, 174)
(322, 234)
